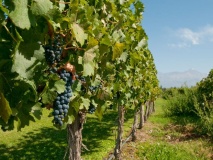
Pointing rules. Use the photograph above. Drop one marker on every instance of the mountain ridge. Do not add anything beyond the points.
(177, 79)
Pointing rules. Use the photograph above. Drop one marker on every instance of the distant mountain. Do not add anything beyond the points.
(177, 79)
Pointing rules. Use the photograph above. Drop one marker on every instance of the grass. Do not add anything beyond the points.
(36, 141)
(99, 137)
(165, 138)
(163, 151)
(161, 138)
(172, 139)
(41, 140)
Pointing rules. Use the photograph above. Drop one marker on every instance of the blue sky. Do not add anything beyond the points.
(180, 34)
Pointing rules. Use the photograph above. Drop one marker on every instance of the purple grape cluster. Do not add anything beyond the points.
(61, 104)
(91, 109)
(53, 50)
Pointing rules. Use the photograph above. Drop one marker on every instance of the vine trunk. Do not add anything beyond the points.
(75, 137)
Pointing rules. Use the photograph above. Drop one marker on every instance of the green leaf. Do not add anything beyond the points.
(106, 40)
(121, 2)
(36, 110)
(61, 5)
(88, 69)
(117, 50)
(23, 66)
(89, 55)
(88, 64)
(5, 110)
(76, 86)
(71, 115)
(85, 103)
(141, 44)
(79, 34)
(92, 43)
(41, 7)
(30, 47)
(32, 86)
(59, 86)
(24, 116)
(75, 104)
(48, 97)
(116, 87)
(19, 15)
(124, 56)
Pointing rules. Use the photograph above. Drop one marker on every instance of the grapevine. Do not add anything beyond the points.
(61, 104)
(53, 55)
(53, 51)
(103, 40)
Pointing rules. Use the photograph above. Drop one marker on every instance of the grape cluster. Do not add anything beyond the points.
(91, 109)
(53, 50)
(94, 88)
(61, 104)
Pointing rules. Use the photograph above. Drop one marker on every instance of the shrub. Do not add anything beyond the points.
(181, 102)
(205, 112)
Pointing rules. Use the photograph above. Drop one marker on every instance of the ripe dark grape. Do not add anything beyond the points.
(95, 88)
(61, 103)
(91, 109)
(53, 50)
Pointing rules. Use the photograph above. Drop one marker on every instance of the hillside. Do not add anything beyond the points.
(178, 79)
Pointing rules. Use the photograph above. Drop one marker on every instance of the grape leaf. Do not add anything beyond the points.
(89, 65)
(24, 117)
(36, 110)
(5, 110)
(88, 69)
(49, 96)
(41, 7)
(79, 34)
(23, 66)
(92, 43)
(19, 15)
(61, 5)
(117, 50)
(106, 40)
(121, 2)
(141, 44)
(30, 46)
(59, 86)
(85, 103)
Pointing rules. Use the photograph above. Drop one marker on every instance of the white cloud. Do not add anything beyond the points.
(178, 45)
(187, 37)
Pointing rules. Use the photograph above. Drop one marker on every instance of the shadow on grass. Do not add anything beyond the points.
(47, 143)
(50, 143)
(95, 131)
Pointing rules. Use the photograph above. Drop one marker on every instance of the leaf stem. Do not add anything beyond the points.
(67, 48)
(10, 33)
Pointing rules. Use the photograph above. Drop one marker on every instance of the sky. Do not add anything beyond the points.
(180, 34)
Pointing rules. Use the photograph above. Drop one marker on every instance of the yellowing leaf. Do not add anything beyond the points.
(92, 43)
(5, 110)
(117, 50)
